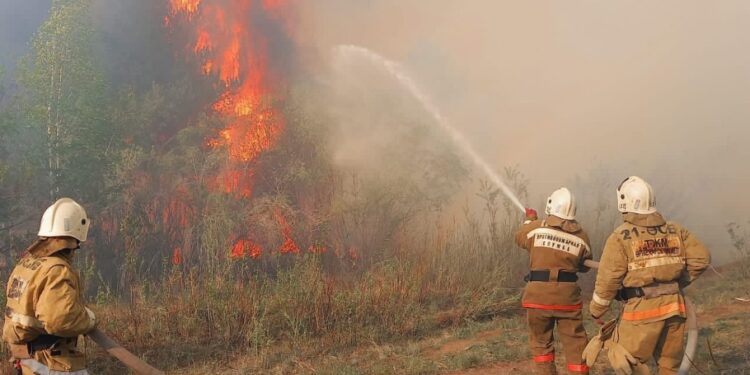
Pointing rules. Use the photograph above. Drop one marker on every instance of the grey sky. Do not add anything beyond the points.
(19, 19)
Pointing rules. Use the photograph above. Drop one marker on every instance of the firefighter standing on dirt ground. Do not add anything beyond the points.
(45, 312)
(557, 249)
(646, 262)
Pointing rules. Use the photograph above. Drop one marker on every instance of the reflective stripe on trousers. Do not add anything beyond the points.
(41, 369)
(654, 313)
(545, 358)
(578, 368)
(552, 307)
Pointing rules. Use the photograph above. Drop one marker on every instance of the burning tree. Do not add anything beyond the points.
(232, 40)
(226, 163)
(231, 182)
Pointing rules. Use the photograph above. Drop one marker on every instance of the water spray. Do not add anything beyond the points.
(393, 68)
(348, 51)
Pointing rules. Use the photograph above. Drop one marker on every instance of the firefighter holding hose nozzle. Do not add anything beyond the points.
(557, 248)
(645, 263)
(45, 312)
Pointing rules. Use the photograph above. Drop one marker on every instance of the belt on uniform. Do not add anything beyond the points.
(562, 276)
(27, 350)
(650, 291)
(44, 342)
(625, 294)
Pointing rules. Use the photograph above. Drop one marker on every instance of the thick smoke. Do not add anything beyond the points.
(580, 94)
(18, 22)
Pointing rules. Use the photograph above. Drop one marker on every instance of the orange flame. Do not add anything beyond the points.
(232, 48)
(234, 182)
(242, 248)
(177, 256)
(177, 212)
(353, 253)
(232, 51)
(203, 43)
(288, 246)
(187, 6)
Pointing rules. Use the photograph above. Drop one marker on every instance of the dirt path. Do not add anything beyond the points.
(520, 367)
(732, 308)
(482, 338)
(705, 318)
(456, 346)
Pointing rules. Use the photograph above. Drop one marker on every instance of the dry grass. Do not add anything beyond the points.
(285, 319)
(724, 344)
(428, 292)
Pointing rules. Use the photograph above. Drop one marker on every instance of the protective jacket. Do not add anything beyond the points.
(45, 312)
(558, 246)
(655, 258)
(645, 251)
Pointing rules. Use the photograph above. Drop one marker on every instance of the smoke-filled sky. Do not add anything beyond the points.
(560, 89)
(657, 89)
(18, 22)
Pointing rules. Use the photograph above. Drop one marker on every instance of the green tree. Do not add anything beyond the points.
(65, 103)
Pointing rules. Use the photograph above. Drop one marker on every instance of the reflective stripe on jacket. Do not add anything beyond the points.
(554, 245)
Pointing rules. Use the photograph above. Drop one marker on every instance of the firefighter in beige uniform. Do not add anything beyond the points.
(45, 312)
(557, 249)
(646, 262)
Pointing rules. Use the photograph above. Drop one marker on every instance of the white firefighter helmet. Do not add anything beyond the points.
(636, 195)
(65, 218)
(561, 203)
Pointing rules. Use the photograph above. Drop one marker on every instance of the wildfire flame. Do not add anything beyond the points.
(233, 49)
(244, 248)
(177, 256)
(188, 6)
(289, 246)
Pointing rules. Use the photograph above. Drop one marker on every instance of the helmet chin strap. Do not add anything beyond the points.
(71, 250)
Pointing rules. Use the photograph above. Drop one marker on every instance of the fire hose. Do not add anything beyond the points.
(692, 326)
(127, 358)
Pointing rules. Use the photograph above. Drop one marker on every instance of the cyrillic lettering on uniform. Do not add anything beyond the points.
(656, 252)
(16, 288)
(556, 240)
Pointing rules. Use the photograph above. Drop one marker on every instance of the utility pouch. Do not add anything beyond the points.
(65, 359)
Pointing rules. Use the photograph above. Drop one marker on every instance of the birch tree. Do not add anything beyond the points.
(65, 100)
